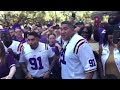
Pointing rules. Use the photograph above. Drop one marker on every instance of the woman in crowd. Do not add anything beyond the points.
(109, 57)
(7, 64)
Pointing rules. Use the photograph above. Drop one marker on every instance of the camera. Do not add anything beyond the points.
(116, 34)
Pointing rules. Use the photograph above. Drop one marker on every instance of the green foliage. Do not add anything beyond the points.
(24, 17)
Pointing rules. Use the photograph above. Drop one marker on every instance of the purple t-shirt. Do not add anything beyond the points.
(101, 32)
(5, 68)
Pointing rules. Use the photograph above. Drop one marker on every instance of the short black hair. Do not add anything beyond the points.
(68, 23)
(89, 29)
(51, 34)
(33, 34)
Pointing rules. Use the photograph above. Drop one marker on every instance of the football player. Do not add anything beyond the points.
(34, 58)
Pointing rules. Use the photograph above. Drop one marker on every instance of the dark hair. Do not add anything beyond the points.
(115, 20)
(90, 30)
(51, 34)
(105, 25)
(38, 24)
(33, 34)
(109, 31)
(69, 24)
(11, 29)
(2, 53)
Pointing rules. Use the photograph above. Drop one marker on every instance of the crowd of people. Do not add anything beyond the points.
(72, 50)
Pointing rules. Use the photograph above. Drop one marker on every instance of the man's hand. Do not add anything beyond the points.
(10, 51)
(118, 46)
(29, 76)
(51, 29)
(77, 29)
(6, 77)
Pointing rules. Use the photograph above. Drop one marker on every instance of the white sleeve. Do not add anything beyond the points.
(22, 56)
(51, 53)
(87, 58)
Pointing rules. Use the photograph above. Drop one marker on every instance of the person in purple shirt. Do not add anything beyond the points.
(101, 32)
(98, 33)
(7, 64)
(39, 30)
(12, 33)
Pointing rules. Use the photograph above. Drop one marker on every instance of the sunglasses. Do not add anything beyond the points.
(84, 32)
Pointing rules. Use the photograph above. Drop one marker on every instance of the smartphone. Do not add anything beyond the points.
(116, 35)
(74, 15)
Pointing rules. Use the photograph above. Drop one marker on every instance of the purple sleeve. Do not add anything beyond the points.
(10, 61)
(101, 35)
(43, 39)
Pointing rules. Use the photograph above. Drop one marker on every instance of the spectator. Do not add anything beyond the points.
(13, 47)
(56, 72)
(12, 33)
(109, 56)
(35, 63)
(77, 58)
(19, 33)
(7, 64)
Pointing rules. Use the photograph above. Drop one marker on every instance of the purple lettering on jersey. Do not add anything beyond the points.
(54, 49)
(62, 56)
(35, 65)
(5, 68)
(92, 62)
(33, 62)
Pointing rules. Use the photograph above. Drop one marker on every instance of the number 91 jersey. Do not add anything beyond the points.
(36, 60)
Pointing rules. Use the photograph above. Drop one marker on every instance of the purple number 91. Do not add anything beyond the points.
(92, 63)
(36, 63)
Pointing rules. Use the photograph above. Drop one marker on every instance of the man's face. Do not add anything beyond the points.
(6, 37)
(66, 32)
(18, 33)
(12, 33)
(33, 41)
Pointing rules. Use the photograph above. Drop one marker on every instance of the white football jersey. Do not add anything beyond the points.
(15, 46)
(36, 60)
(78, 59)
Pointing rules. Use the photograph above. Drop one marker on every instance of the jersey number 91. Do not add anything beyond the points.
(36, 63)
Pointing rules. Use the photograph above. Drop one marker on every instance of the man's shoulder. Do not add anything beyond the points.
(77, 38)
(14, 41)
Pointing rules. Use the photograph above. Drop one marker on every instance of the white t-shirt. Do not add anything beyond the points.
(78, 59)
(15, 46)
(37, 60)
